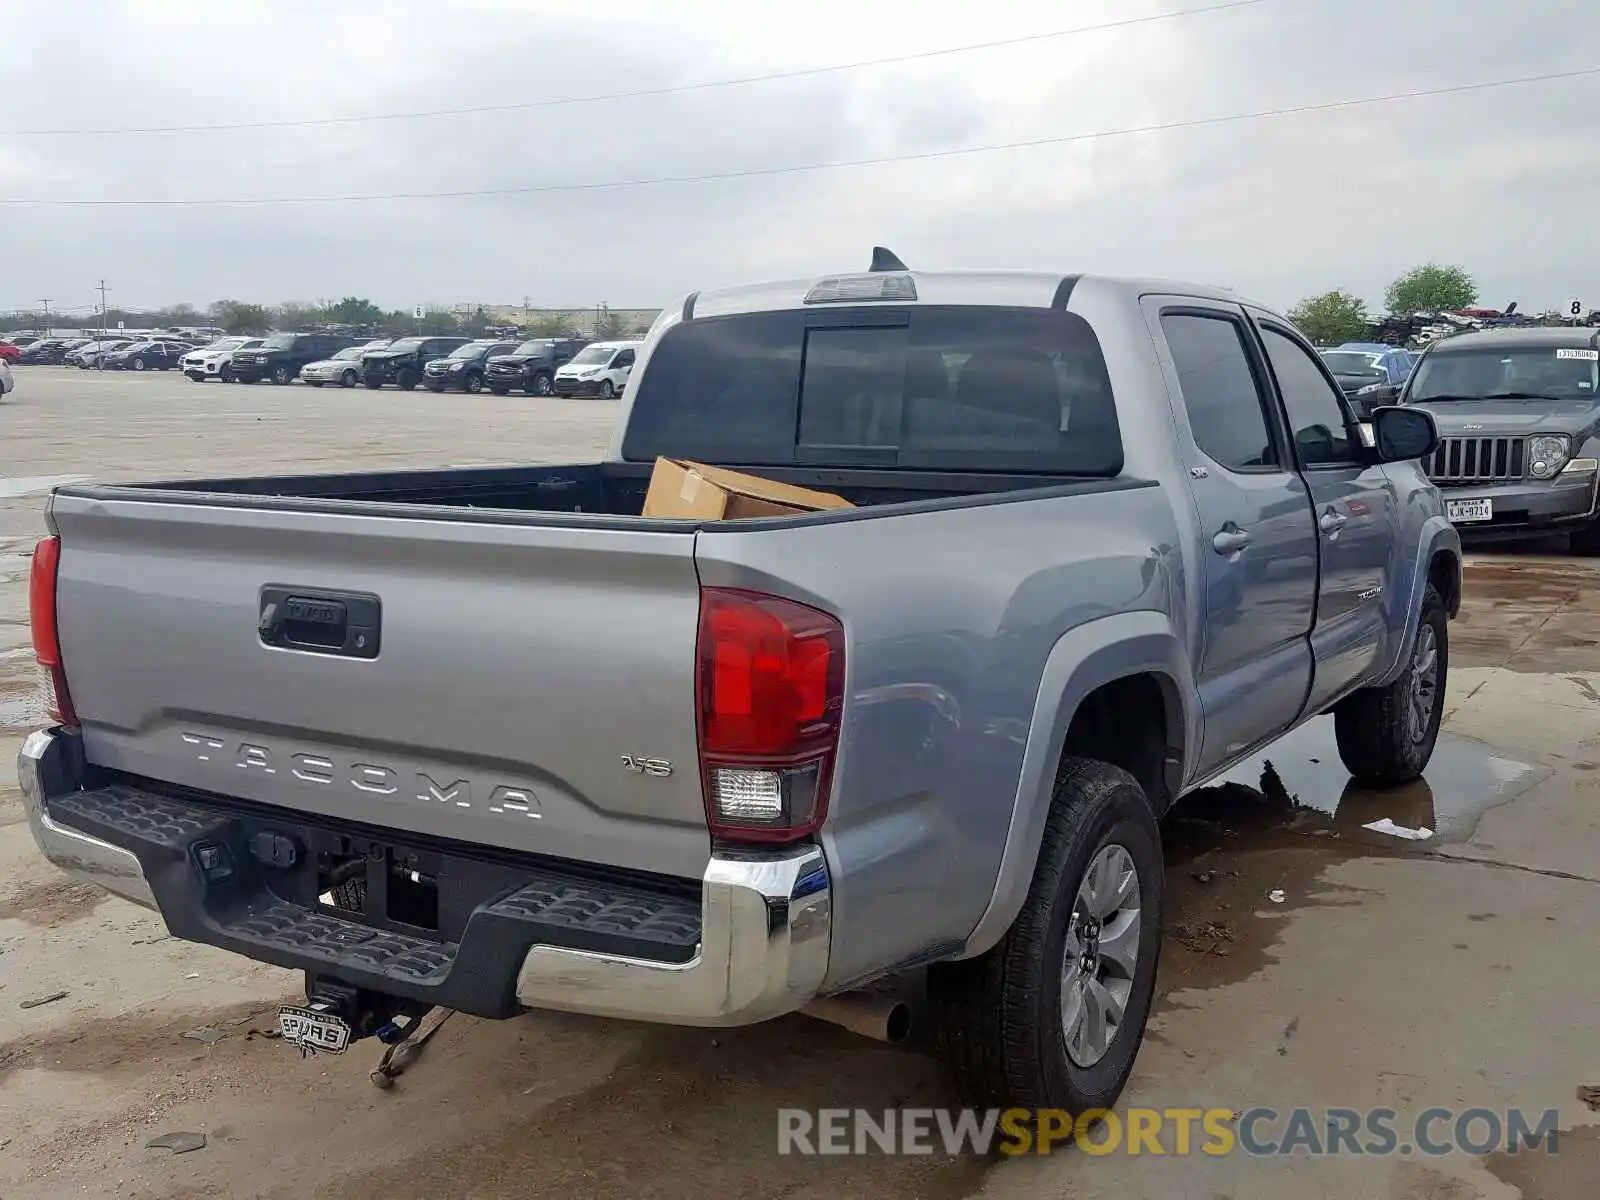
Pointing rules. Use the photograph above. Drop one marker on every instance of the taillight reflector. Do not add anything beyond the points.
(770, 690)
(46, 635)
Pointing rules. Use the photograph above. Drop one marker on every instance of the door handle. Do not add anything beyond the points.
(1230, 539)
(1331, 521)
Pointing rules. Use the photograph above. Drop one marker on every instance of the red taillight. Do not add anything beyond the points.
(770, 690)
(46, 637)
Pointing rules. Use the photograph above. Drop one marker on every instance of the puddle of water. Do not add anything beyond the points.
(1254, 846)
(26, 485)
(1302, 772)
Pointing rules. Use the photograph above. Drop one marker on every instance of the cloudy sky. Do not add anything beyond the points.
(1502, 181)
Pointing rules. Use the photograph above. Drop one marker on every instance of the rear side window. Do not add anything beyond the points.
(1219, 390)
(952, 388)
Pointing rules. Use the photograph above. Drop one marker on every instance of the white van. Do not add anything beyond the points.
(600, 369)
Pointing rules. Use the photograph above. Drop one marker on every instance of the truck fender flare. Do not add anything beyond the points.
(1087, 657)
(1437, 534)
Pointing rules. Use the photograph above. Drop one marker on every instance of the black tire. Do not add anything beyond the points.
(349, 379)
(605, 391)
(1383, 740)
(225, 374)
(997, 1019)
(407, 379)
(499, 389)
(282, 374)
(473, 383)
(540, 385)
(137, 364)
(373, 382)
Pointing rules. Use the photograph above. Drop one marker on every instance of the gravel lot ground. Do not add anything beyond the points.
(1461, 971)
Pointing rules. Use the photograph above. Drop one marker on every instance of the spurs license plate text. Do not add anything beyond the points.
(1469, 510)
(322, 1032)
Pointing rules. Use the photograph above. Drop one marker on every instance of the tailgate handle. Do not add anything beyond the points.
(318, 621)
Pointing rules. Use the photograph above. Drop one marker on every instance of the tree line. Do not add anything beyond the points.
(1338, 316)
(352, 312)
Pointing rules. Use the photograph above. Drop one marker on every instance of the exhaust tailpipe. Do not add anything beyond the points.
(882, 1018)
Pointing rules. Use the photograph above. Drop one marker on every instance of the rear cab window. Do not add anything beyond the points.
(972, 389)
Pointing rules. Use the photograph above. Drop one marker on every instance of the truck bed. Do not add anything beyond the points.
(588, 492)
(535, 632)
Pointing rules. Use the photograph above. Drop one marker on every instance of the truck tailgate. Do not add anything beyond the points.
(522, 672)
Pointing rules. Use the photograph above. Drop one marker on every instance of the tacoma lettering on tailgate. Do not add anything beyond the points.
(372, 778)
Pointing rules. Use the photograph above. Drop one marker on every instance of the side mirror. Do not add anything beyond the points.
(1403, 434)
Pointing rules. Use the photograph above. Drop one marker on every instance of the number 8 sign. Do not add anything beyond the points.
(1577, 308)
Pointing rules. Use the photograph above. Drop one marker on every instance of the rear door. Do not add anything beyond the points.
(1357, 512)
(1259, 543)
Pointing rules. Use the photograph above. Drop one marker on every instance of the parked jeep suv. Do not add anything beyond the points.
(401, 361)
(1518, 412)
(532, 366)
(462, 370)
(280, 357)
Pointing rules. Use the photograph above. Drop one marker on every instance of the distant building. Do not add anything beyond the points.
(582, 322)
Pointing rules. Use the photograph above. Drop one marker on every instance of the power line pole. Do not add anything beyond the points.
(100, 355)
(46, 304)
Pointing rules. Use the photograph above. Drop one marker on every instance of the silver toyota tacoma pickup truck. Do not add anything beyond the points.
(489, 740)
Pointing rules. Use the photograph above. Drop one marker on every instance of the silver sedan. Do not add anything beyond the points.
(344, 368)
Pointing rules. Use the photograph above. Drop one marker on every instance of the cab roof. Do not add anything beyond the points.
(1007, 289)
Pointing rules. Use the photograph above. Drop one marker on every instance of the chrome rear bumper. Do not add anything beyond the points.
(766, 922)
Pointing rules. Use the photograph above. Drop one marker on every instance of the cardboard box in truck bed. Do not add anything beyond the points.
(689, 489)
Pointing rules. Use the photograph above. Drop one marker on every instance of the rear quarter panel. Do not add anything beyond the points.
(950, 617)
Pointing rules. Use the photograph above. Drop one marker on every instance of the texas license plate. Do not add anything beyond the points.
(308, 1029)
(1469, 510)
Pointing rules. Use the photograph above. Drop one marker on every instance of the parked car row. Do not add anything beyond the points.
(113, 353)
(535, 367)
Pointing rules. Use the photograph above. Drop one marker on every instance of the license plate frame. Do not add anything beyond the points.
(1469, 511)
(306, 1029)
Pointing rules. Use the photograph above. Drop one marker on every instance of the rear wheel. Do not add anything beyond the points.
(282, 374)
(1386, 734)
(1053, 1015)
(137, 364)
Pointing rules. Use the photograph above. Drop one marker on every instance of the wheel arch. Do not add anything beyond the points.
(1438, 560)
(1096, 677)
